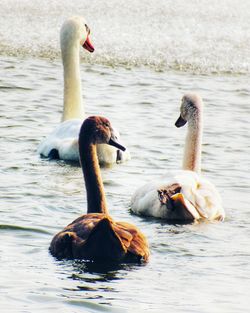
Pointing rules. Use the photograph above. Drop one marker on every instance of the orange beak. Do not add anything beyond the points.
(88, 45)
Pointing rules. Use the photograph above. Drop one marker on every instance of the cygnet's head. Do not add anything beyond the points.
(98, 130)
(75, 30)
(191, 106)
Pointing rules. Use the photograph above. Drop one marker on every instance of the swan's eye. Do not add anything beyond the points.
(87, 29)
(105, 124)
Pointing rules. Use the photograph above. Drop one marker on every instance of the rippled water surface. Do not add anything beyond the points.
(195, 268)
(192, 268)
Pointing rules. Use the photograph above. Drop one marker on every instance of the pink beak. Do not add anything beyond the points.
(88, 45)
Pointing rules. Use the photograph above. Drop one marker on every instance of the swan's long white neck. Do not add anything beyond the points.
(192, 150)
(73, 106)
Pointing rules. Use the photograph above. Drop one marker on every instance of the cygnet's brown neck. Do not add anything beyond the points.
(192, 151)
(92, 175)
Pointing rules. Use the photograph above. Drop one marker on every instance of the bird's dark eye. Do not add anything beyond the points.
(87, 29)
(106, 124)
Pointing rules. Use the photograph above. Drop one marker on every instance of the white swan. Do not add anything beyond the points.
(183, 195)
(62, 143)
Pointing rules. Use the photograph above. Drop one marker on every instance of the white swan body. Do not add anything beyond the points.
(183, 195)
(62, 143)
(64, 140)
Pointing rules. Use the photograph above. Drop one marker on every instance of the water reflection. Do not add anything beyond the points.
(95, 282)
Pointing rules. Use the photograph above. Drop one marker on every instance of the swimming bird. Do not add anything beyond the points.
(62, 143)
(184, 195)
(96, 236)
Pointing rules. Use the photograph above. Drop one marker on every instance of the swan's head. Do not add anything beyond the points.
(75, 29)
(191, 106)
(98, 130)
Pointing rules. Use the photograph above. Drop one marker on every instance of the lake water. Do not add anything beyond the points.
(148, 54)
